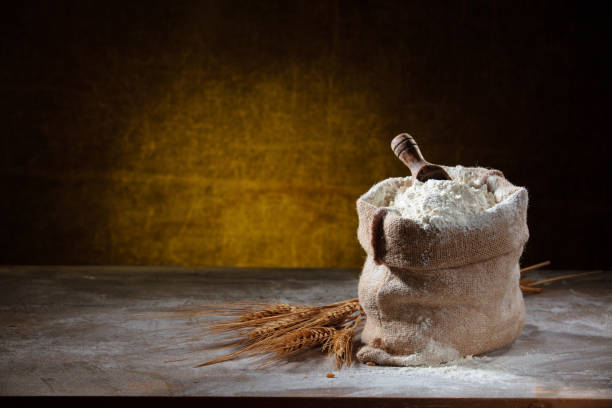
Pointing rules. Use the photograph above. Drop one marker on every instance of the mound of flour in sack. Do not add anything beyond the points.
(443, 203)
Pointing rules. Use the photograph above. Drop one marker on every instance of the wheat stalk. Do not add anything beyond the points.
(558, 278)
(530, 290)
(528, 285)
(536, 266)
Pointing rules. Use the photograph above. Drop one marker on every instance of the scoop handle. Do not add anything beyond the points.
(406, 149)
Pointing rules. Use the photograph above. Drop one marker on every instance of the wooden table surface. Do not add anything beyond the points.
(110, 331)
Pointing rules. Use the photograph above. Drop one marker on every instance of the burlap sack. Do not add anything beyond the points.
(432, 296)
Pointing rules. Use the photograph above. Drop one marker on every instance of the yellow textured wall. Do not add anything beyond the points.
(261, 169)
(237, 133)
(211, 133)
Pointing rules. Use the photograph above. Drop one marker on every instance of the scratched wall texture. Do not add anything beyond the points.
(241, 133)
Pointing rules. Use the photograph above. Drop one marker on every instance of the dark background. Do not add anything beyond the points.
(242, 133)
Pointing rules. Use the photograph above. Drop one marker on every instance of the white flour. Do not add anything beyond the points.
(443, 203)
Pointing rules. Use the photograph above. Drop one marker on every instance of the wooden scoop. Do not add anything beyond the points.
(407, 150)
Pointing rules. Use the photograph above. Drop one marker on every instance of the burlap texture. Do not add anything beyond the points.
(432, 295)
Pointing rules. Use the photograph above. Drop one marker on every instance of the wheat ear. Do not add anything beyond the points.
(275, 310)
(340, 346)
(301, 339)
(337, 315)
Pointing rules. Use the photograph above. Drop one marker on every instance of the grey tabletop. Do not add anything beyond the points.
(111, 331)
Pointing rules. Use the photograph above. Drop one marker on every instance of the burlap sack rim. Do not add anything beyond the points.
(372, 231)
